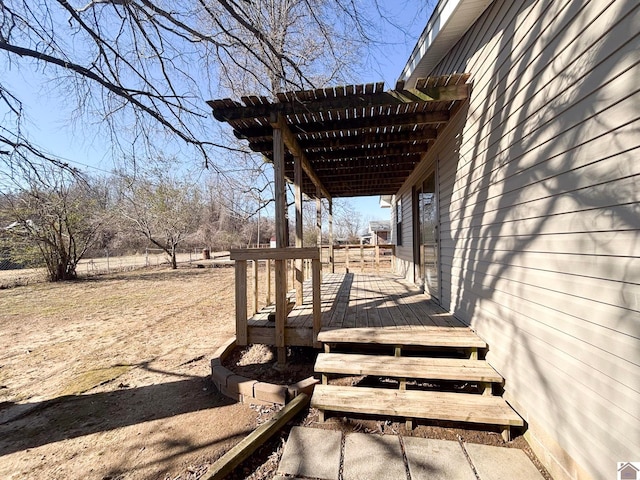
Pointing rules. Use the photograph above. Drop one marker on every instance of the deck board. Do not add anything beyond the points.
(407, 367)
(457, 407)
(424, 337)
(357, 300)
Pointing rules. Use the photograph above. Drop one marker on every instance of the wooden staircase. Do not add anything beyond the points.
(424, 363)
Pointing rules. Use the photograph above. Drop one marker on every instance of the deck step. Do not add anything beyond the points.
(407, 367)
(454, 337)
(455, 407)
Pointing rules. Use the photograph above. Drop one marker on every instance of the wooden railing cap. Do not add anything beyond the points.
(288, 253)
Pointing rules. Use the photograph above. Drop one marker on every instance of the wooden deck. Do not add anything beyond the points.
(359, 301)
(435, 360)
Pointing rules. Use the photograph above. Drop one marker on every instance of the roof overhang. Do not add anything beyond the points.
(449, 21)
(354, 140)
(385, 201)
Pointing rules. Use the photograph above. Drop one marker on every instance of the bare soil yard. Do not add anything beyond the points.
(108, 377)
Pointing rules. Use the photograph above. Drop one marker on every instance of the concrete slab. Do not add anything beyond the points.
(373, 456)
(498, 463)
(311, 452)
(431, 459)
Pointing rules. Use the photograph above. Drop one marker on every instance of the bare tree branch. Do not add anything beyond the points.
(142, 69)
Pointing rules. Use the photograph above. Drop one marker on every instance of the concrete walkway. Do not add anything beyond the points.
(323, 455)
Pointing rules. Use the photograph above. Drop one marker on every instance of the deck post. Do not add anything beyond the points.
(277, 121)
(255, 287)
(346, 257)
(319, 222)
(241, 302)
(268, 299)
(297, 184)
(377, 258)
(332, 265)
(317, 314)
(281, 309)
(361, 258)
(393, 259)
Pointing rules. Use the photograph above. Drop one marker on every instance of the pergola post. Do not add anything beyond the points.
(331, 260)
(297, 182)
(319, 221)
(281, 225)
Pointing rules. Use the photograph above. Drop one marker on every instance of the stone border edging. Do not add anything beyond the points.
(246, 390)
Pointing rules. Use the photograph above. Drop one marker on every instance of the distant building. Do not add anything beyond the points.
(379, 233)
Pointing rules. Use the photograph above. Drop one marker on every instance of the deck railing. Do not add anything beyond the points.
(359, 256)
(281, 257)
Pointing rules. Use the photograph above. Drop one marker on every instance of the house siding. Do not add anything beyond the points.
(404, 252)
(540, 220)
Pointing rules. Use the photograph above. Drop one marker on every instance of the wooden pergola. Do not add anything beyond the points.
(346, 141)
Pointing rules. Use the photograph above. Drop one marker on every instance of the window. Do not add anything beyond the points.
(399, 222)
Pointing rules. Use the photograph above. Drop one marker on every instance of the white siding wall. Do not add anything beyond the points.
(540, 220)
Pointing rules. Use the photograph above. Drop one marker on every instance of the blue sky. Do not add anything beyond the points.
(86, 147)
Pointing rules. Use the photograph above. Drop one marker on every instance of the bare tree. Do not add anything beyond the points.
(161, 204)
(349, 222)
(55, 215)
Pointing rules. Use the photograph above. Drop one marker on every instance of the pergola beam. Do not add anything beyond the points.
(330, 126)
(298, 106)
(358, 173)
(410, 136)
(366, 151)
(278, 123)
(370, 152)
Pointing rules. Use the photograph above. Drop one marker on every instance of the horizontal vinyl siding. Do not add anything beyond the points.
(404, 252)
(540, 219)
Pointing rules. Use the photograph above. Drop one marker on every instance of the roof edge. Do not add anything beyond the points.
(449, 21)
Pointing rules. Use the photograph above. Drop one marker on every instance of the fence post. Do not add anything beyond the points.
(377, 258)
(361, 257)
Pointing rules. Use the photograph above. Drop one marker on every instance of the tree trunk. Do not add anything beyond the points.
(62, 271)
(174, 262)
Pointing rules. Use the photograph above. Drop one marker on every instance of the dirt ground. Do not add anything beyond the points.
(108, 378)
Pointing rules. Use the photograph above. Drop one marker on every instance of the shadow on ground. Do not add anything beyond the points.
(73, 416)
